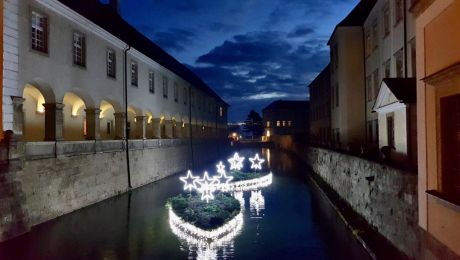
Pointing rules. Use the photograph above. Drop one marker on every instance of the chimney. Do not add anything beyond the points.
(114, 5)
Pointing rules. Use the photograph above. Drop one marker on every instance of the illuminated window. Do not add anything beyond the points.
(221, 111)
(278, 123)
(79, 49)
(289, 123)
(39, 32)
(151, 82)
(268, 123)
(133, 73)
(284, 123)
(165, 87)
(111, 65)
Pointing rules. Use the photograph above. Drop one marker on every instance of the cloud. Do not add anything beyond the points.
(222, 27)
(301, 31)
(174, 39)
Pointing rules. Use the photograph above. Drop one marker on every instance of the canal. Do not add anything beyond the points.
(290, 219)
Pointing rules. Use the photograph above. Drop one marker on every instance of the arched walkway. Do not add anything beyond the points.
(34, 114)
(75, 123)
(107, 120)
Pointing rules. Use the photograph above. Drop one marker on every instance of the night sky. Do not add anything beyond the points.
(251, 52)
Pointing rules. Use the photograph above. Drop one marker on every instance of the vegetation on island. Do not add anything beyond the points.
(190, 208)
(243, 176)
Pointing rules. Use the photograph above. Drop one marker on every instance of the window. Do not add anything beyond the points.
(79, 49)
(284, 123)
(111, 61)
(185, 96)
(278, 123)
(376, 83)
(165, 87)
(390, 130)
(39, 32)
(151, 82)
(176, 92)
(386, 19)
(398, 11)
(375, 35)
(221, 111)
(369, 93)
(450, 144)
(368, 48)
(413, 57)
(133, 73)
(399, 63)
(387, 68)
(268, 123)
(289, 123)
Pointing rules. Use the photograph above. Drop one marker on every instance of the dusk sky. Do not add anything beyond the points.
(251, 52)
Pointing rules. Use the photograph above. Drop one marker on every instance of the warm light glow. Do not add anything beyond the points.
(268, 133)
(236, 162)
(234, 135)
(256, 162)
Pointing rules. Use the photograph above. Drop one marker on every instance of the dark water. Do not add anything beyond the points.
(287, 220)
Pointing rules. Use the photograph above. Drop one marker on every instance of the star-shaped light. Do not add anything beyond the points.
(220, 167)
(236, 162)
(256, 162)
(222, 181)
(189, 181)
(207, 187)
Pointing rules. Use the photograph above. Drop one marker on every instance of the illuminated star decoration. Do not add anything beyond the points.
(222, 181)
(220, 167)
(207, 187)
(189, 181)
(236, 163)
(256, 162)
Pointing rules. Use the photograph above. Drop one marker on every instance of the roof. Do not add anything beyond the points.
(287, 105)
(323, 75)
(357, 16)
(107, 18)
(404, 89)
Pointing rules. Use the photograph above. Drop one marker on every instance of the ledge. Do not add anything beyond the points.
(445, 200)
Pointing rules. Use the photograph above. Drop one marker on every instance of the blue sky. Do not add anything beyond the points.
(251, 52)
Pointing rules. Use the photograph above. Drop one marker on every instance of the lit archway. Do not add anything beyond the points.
(149, 125)
(107, 120)
(75, 125)
(34, 114)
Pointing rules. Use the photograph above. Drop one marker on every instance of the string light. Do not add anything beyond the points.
(222, 181)
(207, 187)
(236, 162)
(220, 167)
(189, 181)
(256, 162)
(256, 202)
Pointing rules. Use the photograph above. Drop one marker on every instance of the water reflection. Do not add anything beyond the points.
(256, 204)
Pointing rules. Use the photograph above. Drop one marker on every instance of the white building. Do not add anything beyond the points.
(64, 79)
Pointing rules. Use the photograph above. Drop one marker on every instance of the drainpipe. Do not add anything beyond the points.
(125, 92)
(190, 124)
(405, 38)
(365, 87)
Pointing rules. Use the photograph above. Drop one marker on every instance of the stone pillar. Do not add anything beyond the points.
(18, 116)
(140, 127)
(120, 132)
(169, 129)
(54, 121)
(156, 126)
(93, 126)
(178, 130)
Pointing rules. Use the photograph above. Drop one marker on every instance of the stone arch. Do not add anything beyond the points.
(75, 124)
(149, 125)
(133, 112)
(107, 119)
(44, 88)
(34, 113)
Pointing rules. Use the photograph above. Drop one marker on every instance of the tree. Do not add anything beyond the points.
(253, 125)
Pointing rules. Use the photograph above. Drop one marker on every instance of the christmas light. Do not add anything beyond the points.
(207, 187)
(220, 167)
(222, 181)
(236, 162)
(256, 162)
(189, 181)
(256, 202)
(252, 184)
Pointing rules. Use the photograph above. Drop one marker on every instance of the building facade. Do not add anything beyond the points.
(78, 71)
(389, 35)
(347, 80)
(438, 111)
(286, 117)
(320, 108)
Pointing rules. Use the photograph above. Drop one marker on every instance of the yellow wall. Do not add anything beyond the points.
(438, 38)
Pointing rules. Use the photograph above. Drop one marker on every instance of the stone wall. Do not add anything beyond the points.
(386, 197)
(57, 178)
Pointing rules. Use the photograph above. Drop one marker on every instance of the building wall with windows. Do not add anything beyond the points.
(320, 108)
(75, 67)
(389, 34)
(347, 88)
(438, 99)
(286, 117)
